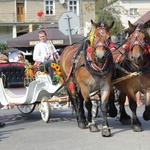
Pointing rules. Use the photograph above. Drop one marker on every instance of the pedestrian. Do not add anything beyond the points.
(45, 54)
(139, 98)
(3, 58)
(21, 59)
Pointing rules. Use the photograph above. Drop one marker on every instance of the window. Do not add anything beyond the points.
(133, 12)
(49, 7)
(73, 6)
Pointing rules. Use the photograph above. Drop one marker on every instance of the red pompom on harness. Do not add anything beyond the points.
(89, 50)
(127, 46)
(111, 45)
(148, 48)
(71, 86)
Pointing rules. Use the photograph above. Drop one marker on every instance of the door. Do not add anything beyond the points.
(20, 13)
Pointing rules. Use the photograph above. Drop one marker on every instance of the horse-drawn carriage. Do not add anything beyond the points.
(25, 92)
(87, 67)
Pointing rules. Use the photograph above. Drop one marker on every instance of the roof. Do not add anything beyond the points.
(31, 38)
(144, 19)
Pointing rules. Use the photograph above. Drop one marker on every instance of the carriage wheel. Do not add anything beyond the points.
(95, 108)
(45, 110)
(26, 109)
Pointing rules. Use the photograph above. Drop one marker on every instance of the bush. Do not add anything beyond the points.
(3, 47)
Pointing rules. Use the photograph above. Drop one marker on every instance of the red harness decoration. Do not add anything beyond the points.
(71, 86)
(127, 46)
(148, 49)
(89, 51)
(111, 45)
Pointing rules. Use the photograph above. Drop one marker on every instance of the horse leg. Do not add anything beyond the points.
(112, 110)
(76, 105)
(81, 109)
(146, 114)
(104, 106)
(92, 126)
(124, 117)
(135, 123)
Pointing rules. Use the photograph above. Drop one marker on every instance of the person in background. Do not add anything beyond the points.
(45, 53)
(21, 59)
(138, 99)
(3, 58)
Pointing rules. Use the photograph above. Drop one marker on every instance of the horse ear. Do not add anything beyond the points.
(130, 24)
(145, 26)
(93, 23)
(111, 25)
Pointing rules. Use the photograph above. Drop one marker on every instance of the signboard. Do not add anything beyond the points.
(68, 24)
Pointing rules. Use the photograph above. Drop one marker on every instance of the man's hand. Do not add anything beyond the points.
(47, 57)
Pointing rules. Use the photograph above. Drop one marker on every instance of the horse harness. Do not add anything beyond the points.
(145, 47)
(89, 63)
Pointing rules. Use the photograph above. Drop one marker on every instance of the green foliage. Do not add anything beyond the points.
(3, 47)
(105, 12)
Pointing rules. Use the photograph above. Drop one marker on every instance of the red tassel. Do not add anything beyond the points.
(111, 45)
(127, 46)
(89, 50)
(71, 86)
(148, 46)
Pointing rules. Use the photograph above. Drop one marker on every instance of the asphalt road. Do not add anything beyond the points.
(61, 133)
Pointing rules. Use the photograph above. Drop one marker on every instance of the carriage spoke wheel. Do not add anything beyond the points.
(26, 109)
(45, 110)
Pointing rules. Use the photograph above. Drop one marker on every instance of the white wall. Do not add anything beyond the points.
(142, 5)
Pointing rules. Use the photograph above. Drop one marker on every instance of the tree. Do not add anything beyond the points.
(107, 11)
(2, 47)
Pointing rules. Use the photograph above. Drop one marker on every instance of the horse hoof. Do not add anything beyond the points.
(106, 132)
(81, 125)
(146, 116)
(93, 128)
(137, 128)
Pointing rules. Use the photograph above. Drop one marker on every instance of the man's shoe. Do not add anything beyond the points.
(2, 124)
(55, 81)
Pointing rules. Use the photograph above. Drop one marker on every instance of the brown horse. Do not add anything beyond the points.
(87, 67)
(134, 58)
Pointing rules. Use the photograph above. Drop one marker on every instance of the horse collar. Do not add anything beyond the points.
(93, 68)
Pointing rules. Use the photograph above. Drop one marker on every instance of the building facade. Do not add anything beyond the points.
(132, 10)
(21, 16)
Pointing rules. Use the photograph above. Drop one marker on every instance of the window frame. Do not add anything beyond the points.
(133, 12)
(77, 5)
(53, 1)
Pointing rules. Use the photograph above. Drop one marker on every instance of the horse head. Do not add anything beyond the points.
(100, 40)
(138, 43)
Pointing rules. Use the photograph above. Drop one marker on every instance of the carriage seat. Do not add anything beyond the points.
(13, 74)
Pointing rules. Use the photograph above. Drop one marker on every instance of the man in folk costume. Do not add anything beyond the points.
(45, 54)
